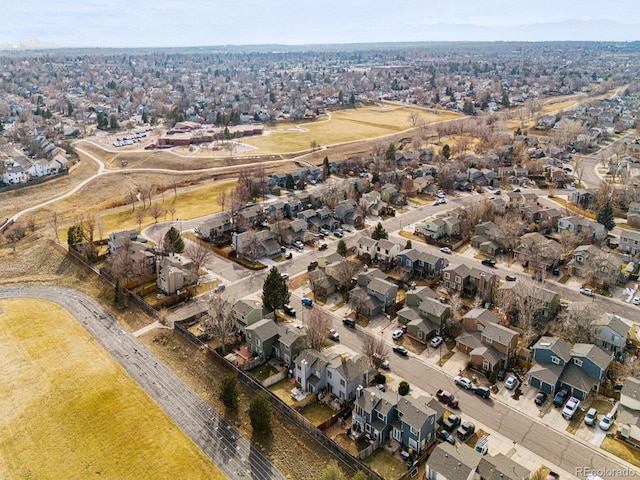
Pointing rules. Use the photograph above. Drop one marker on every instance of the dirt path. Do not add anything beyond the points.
(233, 454)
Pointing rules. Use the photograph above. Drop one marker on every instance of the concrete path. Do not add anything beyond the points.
(233, 454)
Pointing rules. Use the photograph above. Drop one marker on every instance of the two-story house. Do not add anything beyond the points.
(579, 224)
(345, 211)
(386, 251)
(267, 337)
(420, 264)
(469, 281)
(249, 217)
(581, 367)
(610, 332)
(422, 321)
(373, 295)
(434, 228)
(629, 241)
(385, 416)
(338, 374)
(489, 344)
(118, 240)
(175, 274)
(486, 238)
(548, 300)
(584, 254)
(256, 244)
(216, 227)
(629, 411)
(246, 312)
(367, 248)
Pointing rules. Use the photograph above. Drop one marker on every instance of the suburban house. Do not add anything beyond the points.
(420, 264)
(322, 285)
(256, 244)
(434, 228)
(514, 200)
(549, 301)
(14, 175)
(345, 211)
(581, 367)
(373, 295)
(39, 168)
(175, 274)
(333, 373)
(216, 227)
(385, 416)
(461, 462)
(488, 343)
(249, 217)
(266, 338)
(118, 240)
(541, 252)
(367, 248)
(386, 251)
(629, 411)
(583, 255)
(469, 281)
(246, 312)
(579, 224)
(389, 193)
(423, 314)
(371, 201)
(486, 238)
(610, 332)
(629, 241)
(290, 231)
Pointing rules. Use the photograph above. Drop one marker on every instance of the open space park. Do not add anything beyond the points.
(69, 410)
(343, 126)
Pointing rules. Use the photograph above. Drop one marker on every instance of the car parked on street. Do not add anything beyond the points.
(463, 382)
(349, 322)
(465, 430)
(298, 244)
(636, 301)
(324, 246)
(400, 350)
(488, 262)
(307, 302)
(289, 310)
(445, 250)
(285, 276)
(586, 291)
(484, 392)
(511, 278)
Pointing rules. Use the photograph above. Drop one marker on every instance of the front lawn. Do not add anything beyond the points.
(622, 450)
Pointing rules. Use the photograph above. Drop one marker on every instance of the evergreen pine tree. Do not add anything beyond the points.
(229, 391)
(275, 292)
(342, 248)
(379, 232)
(260, 413)
(173, 242)
(605, 216)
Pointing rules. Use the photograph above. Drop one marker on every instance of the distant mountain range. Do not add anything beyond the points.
(568, 30)
(575, 30)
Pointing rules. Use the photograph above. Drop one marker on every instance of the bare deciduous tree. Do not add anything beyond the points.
(375, 350)
(579, 164)
(140, 214)
(318, 325)
(219, 323)
(54, 221)
(198, 253)
(344, 272)
(156, 211)
(523, 301)
(575, 323)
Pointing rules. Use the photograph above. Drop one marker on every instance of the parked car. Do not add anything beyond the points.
(586, 291)
(484, 392)
(334, 335)
(636, 301)
(560, 396)
(447, 398)
(570, 408)
(516, 190)
(324, 246)
(219, 288)
(525, 264)
(605, 423)
(298, 244)
(447, 437)
(465, 430)
(397, 335)
(436, 341)
(502, 373)
(511, 383)
(488, 262)
(338, 234)
(445, 250)
(324, 231)
(510, 278)
(400, 350)
(452, 422)
(463, 382)
(289, 310)
(541, 397)
(285, 276)
(381, 361)
(307, 302)
(556, 271)
(381, 387)
(349, 322)
(591, 417)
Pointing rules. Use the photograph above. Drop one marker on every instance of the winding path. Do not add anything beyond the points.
(233, 454)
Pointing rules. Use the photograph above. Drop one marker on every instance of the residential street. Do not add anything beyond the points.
(233, 454)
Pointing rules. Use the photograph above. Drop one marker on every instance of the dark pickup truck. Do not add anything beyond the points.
(447, 398)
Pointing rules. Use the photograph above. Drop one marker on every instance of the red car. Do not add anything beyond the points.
(324, 246)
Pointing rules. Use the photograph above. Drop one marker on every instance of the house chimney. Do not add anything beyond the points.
(343, 358)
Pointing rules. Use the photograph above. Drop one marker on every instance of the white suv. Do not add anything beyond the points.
(463, 382)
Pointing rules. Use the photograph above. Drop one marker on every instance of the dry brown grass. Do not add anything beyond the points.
(70, 411)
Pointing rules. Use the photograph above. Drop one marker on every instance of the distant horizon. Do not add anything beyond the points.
(205, 23)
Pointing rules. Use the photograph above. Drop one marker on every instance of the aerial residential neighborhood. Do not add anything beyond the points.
(391, 260)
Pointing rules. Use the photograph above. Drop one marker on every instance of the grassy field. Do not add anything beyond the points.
(69, 410)
(342, 126)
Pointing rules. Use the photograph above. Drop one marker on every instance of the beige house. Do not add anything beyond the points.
(174, 274)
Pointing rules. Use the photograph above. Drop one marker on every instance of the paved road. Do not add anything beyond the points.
(224, 445)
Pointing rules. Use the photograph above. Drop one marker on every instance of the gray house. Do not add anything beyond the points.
(385, 416)
(581, 367)
(248, 312)
(610, 332)
(420, 264)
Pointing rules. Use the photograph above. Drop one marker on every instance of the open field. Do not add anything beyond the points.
(342, 126)
(70, 411)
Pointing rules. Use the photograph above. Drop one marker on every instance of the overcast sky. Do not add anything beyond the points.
(164, 23)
